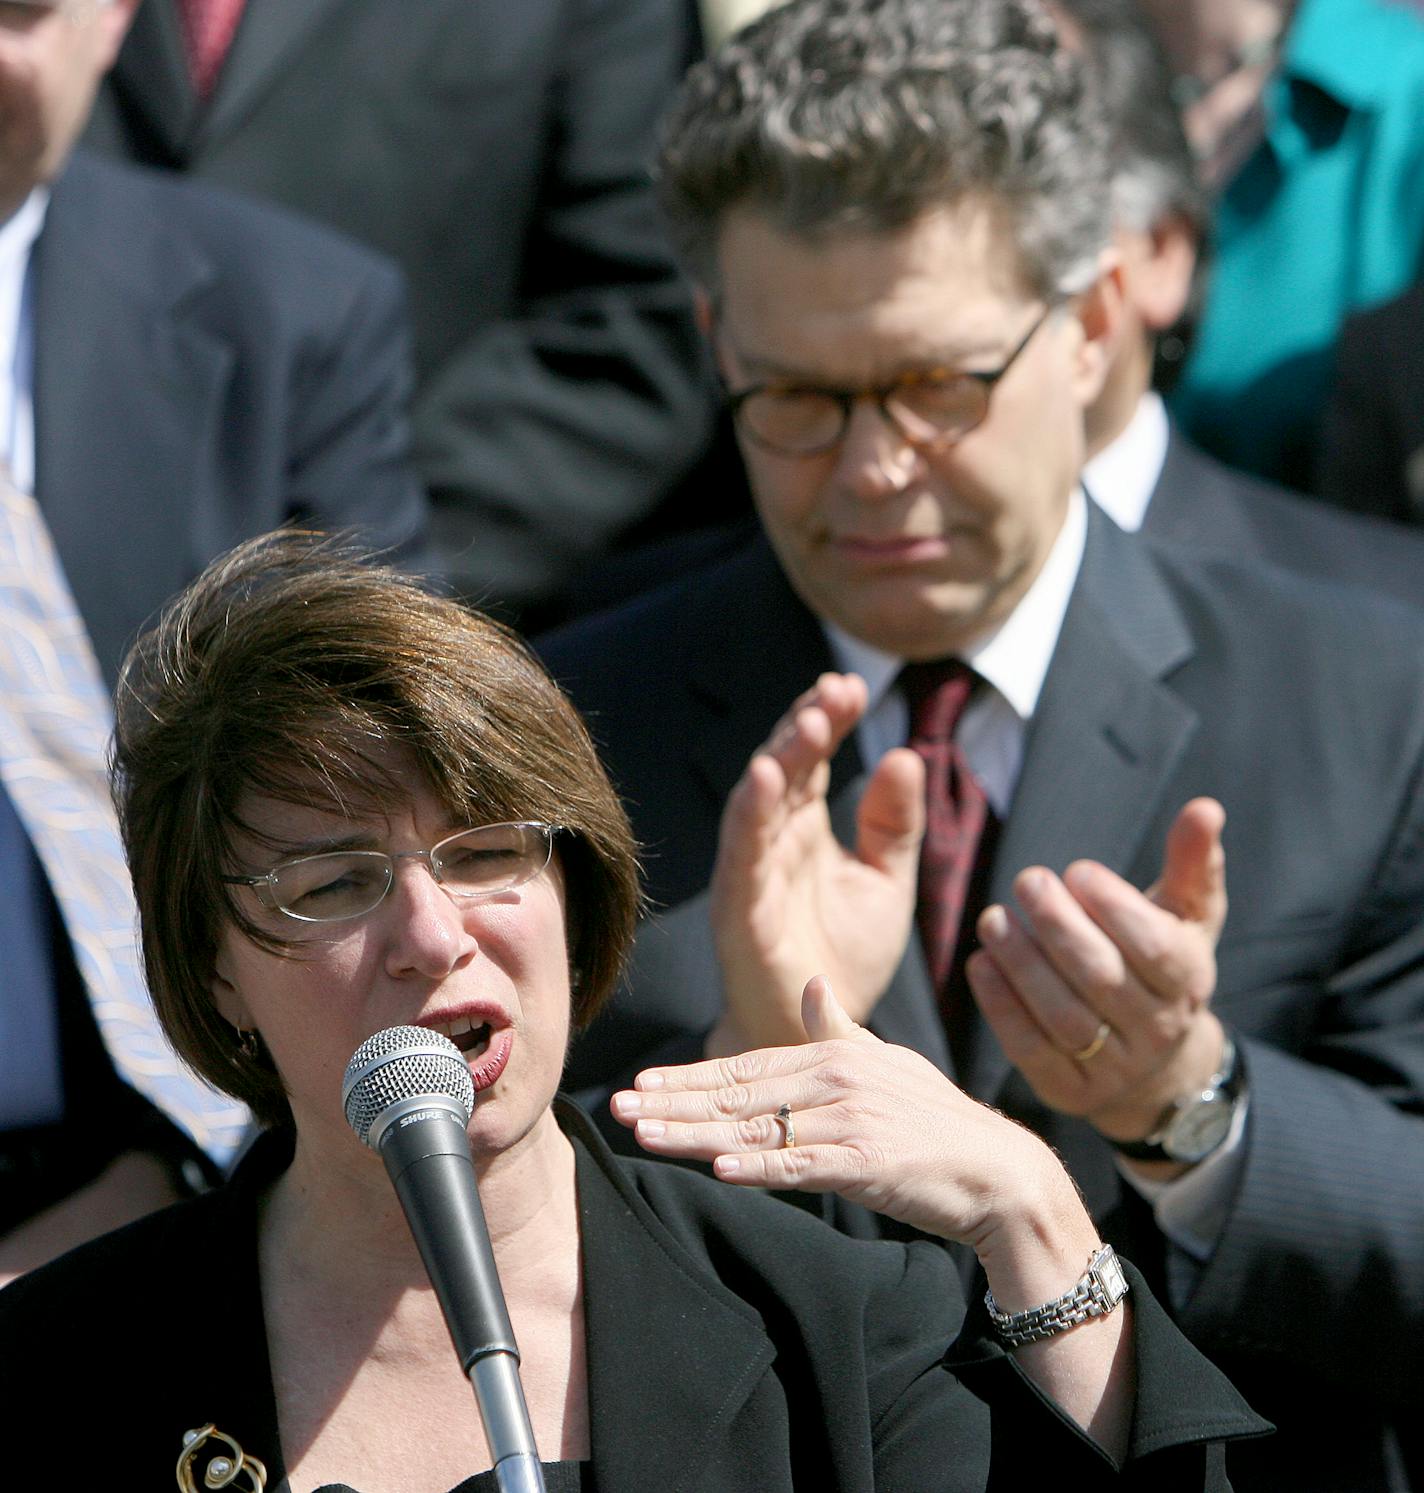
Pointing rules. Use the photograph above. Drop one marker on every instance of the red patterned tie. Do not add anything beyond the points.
(208, 29)
(956, 813)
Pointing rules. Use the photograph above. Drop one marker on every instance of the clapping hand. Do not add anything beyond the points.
(788, 898)
(1100, 993)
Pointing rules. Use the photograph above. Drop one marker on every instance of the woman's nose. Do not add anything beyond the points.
(427, 929)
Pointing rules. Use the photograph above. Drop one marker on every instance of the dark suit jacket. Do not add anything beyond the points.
(1201, 504)
(206, 369)
(1302, 708)
(1372, 454)
(500, 153)
(733, 1344)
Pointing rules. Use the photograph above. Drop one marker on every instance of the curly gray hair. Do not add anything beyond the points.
(827, 115)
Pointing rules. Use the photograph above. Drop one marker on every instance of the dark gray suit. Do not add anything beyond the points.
(1372, 453)
(1203, 505)
(500, 154)
(1302, 708)
(207, 368)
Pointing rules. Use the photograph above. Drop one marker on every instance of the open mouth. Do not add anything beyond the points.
(472, 1038)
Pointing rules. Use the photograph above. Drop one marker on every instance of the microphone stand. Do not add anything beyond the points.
(429, 1131)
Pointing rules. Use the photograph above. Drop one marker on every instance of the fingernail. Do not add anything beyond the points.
(727, 1166)
(649, 1129)
(627, 1104)
(993, 924)
(1082, 874)
(1031, 883)
(652, 1079)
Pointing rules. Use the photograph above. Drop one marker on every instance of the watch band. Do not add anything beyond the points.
(1226, 1083)
(1096, 1294)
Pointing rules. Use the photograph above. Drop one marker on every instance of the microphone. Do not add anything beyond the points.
(407, 1094)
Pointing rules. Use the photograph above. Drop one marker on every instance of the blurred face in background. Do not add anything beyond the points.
(1156, 270)
(1224, 51)
(52, 57)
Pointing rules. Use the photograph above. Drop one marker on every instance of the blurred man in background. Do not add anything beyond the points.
(178, 370)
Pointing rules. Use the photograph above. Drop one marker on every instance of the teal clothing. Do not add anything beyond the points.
(1325, 217)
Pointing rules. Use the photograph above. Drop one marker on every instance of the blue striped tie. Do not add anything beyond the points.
(55, 723)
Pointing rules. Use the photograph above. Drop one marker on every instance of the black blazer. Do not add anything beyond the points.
(733, 1344)
(207, 368)
(1372, 453)
(500, 154)
(1302, 708)
(1201, 504)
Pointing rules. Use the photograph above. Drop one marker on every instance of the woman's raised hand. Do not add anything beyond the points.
(878, 1124)
(845, 1112)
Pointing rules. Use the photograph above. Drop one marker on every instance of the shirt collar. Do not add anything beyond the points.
(17, 239)
(19, 232)
(1121, 478)
(1014, 657)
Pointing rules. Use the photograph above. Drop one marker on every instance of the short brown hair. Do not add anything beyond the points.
(289, 669)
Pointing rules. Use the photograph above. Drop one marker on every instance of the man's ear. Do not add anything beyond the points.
(1163, 273)
(1099, 310)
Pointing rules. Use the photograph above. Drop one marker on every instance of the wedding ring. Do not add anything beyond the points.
(788, 1126)
(1094, 1047)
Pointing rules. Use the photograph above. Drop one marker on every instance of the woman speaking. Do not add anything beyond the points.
(349, 805)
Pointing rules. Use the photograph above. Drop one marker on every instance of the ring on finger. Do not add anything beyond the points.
(1093, 1048)
(788, 1126)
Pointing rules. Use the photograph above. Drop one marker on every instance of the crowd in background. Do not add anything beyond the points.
(407, 272)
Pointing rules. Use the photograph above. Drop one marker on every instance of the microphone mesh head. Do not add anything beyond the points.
(402, 1062)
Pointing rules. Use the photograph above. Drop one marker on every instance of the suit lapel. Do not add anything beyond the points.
(269, 35)
(1107, 733)
(766, 648)
(152, 76)
(699, 1350)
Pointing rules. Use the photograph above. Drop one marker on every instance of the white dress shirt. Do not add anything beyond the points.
(17, 408)
(1013, 659)
(1123, 476)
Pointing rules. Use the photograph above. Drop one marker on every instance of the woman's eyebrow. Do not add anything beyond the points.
(323, 844)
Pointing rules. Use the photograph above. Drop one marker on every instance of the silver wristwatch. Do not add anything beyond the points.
(1197, 1123)
(1096, 1294)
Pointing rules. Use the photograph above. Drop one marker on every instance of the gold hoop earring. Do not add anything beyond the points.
(247, 1044)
